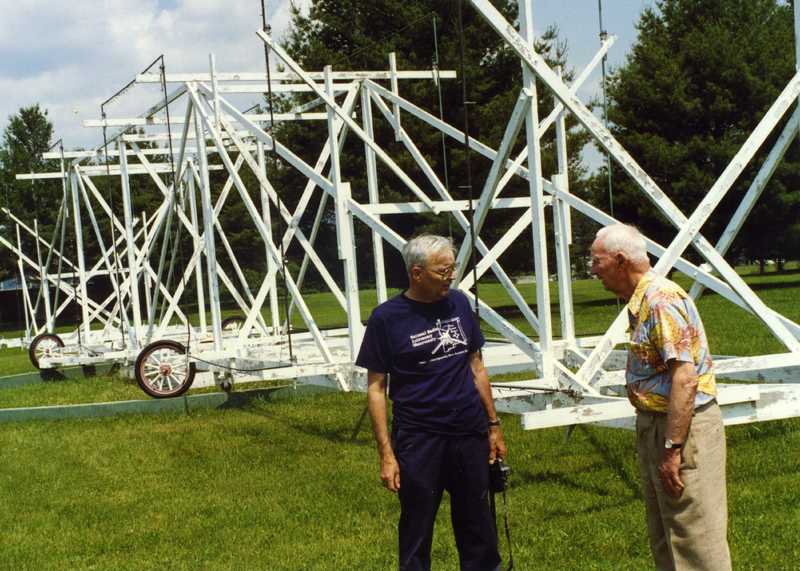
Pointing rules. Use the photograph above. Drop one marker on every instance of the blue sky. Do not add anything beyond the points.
(70, 56)
(578, 24)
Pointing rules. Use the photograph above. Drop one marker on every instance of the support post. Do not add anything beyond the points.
(537, 201)
(563, 231)
(372, 189)
(148, 301)
(208, 231)
(395, 90)
(198, 273)
(344, 229)
(133, 269)
(271, 269)
(213, 69)
(76, 209)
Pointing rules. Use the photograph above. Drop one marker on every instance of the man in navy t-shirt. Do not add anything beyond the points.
(445, 430)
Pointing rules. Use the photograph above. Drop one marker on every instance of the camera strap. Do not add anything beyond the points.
(492, 505)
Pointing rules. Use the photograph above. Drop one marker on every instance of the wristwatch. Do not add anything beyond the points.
(495, 422)
(669, 444)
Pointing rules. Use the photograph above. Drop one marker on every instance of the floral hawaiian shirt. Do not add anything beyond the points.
(664, 325)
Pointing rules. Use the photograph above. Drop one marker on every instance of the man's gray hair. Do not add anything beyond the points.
(623, 239)
(417, 250)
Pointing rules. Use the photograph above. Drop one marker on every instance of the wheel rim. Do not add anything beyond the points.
(46, 347)
(165, 370)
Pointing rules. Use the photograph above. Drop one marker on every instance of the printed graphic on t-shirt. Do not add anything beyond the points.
(447, 337)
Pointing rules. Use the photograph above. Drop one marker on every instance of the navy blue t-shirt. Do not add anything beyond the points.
(425, 347)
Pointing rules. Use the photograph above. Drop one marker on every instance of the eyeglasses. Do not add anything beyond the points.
(446, 272)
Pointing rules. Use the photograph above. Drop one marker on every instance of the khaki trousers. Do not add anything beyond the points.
(689, 532)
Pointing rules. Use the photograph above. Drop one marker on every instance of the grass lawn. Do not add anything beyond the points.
(279, 484)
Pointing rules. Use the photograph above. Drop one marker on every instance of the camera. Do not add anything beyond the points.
(499, 472)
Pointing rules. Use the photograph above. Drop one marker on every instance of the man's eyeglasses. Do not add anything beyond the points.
(446, 272)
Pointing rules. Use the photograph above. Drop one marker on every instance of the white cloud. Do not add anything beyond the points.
(71, 56)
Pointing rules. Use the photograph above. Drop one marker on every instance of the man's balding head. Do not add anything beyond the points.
(619, 258)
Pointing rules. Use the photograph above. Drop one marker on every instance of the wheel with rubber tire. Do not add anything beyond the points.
(163, 369)
(233, 323)
(43, 346)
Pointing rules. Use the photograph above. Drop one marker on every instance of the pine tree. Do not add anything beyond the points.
(699, 78)
(25, 138)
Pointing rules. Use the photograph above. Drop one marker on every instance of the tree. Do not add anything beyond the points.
(360, 35)
(700, 76)
(25, 138)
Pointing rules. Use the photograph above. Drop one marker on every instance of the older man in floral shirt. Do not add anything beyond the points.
(670, 380)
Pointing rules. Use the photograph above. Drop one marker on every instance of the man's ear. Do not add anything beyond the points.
(621, 259)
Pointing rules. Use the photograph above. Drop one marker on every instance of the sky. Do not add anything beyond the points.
(71, 56)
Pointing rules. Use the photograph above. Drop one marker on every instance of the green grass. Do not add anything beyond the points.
(280, 485)
(71, 391)
(14, 361)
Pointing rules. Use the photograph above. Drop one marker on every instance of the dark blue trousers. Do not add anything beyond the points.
(430, 464)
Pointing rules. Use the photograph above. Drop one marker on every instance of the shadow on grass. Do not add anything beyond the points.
(610, 459)
(560, 479)
(758, 286)
(335, 436)
(46, 376)
(567, 482)
(248, 401)
(613, 461)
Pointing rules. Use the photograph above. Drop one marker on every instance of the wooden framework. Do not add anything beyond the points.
(576, 379)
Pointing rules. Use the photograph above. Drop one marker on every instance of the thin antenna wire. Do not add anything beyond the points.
(175, 194)
(46, 265)
(441, 118)
(177, 186)
(61, 251)
(268, 30)
(603, 36)
(399, 32)
(45, 268)
(468, 186)
(163, 70)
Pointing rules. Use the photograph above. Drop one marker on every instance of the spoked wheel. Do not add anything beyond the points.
(163, 369)
(233, 324)
(43, 346)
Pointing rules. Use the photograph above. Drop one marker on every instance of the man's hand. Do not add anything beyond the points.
(497, 445)
(669, 472)
(679, 419)
(376, 404)
(390, 472)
